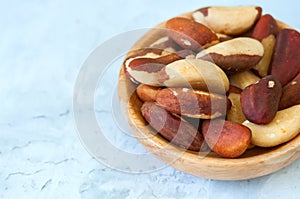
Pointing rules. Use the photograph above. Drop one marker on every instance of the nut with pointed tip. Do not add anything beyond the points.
(265, 26)
(189, 34)
(193, 103)
(226, 138)
(195, 73)
(265, 31)
(260, 101)
(228, 20)
(140, 53)
(282, 129)
(172, 127)
(262, 68)
(285, 64)
(234, 55)
(144, 69)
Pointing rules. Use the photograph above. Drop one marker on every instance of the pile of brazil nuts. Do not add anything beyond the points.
(231, 69)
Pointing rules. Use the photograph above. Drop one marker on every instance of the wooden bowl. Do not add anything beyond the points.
(253, 163)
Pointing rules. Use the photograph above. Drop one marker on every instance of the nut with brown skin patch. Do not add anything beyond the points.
(290, 94)
(189, 34)
(145, 69)
(193, 103)
(140, 53)
(260, 101)
(146, 92)
(234, 55)
(265, 31)
(195, 73)
(172, 127)
(285, 64)
(262, 68)
(228, 20)
(228, 139)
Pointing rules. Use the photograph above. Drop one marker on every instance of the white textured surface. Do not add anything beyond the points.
(42, 46)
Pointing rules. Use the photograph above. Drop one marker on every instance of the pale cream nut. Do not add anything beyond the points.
(195, 73)
(243, 79)
(228, 20)
(262, 67)
(284, 127)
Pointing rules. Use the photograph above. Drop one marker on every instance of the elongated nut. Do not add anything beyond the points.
(285, 65)
(228, 139)
(193, 103)
(262, 68)
(198, 74)
(140, 53)
(145, 69)
(260, 101)
(172, 127)
(243, 79)
(284, 127)
(146, 92)
(290, 94)
(265, 27)
(234, 55)
(235, 113)
(228, 20)
(265, 31)
(189, 34)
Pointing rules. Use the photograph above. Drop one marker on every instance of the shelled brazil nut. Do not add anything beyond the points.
(236, 74)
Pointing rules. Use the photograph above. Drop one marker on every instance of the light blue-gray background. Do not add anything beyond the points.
(42, 47)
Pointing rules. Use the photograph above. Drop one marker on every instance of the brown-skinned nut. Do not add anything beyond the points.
(290, 94)
(265, 26)
(234, 89)
(260, 101)
(235, 113)
(141, 53)
(172, 127)
(228, 20)
(193, 103)
(144, 69)
(285, 64)
(189, 34)
(195, 73)
(146, 92)
(226, 138)
(234, 55)
(265, 31)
